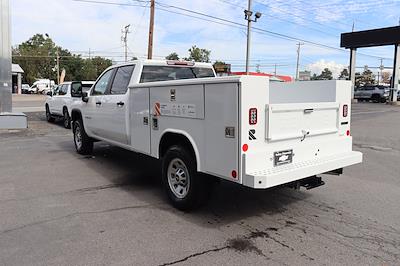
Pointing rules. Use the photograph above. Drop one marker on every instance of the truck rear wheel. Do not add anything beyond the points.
(185, 188)
(83, 143)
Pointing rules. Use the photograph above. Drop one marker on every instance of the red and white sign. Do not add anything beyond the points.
(157, 110)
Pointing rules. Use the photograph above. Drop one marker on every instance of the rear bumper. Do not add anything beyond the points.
(291, 172)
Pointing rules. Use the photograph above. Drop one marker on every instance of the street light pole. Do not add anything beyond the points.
(248, 16)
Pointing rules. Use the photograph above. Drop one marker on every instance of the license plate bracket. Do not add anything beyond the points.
(283, 157)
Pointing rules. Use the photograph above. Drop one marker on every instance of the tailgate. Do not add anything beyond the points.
(301, 120)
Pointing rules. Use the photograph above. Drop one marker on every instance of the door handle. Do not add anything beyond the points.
(120, 103)
(98, 103)
(308, 111)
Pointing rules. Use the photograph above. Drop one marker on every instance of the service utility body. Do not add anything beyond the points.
(244, 129)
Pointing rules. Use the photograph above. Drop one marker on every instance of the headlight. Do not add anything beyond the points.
(386, 94)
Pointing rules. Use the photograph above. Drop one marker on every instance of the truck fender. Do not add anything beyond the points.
(188, 137)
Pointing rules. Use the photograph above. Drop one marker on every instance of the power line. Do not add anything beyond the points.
(279, 35)
(233, 23)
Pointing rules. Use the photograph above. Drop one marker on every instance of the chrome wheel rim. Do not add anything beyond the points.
(78, 137)
(178, 178)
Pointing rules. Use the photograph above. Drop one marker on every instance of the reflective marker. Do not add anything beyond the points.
(245, 147)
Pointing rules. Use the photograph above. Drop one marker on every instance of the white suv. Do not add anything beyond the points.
(61, 98)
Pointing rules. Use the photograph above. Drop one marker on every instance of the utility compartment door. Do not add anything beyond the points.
(140, 119)
(302, 120)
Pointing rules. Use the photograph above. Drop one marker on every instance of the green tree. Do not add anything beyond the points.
(172, 56)
(221, 67)
(100, 64)
(198, 54)
(314, 77)
(367, 77)
(344, 74)
(326, 74)
(38, 55)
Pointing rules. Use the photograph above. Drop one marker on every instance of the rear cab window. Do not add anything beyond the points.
(163, 73)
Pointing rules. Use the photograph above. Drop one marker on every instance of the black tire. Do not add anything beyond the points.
(198, 185)
(376, 98)
(49, 118)
(83, 143)
(66, 119)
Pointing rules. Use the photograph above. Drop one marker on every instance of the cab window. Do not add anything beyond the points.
(102, 84)
(63, 90)
(163, 73)
(121, 79)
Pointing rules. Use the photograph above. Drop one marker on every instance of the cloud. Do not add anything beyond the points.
(80, 26)
(320, 65)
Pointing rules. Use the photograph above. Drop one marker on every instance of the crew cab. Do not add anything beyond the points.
(58, 104)
(244, 129)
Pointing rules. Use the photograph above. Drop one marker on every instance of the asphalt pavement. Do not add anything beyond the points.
(61, 208)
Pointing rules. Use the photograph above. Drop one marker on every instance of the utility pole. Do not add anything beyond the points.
(125, 32)
(298, 59)
(248, 16)
(275, 70)
(151, 30)
(58, 67)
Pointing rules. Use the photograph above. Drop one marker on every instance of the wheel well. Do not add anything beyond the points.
(170, 139)
(75, 115)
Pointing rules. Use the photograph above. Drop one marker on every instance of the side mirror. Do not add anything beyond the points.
(50, 93)
(85, 97)
(76, 89)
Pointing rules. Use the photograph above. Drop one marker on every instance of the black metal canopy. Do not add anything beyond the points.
(369, 38)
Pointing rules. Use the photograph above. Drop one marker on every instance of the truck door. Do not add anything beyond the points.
(115, 106)
(94, 117)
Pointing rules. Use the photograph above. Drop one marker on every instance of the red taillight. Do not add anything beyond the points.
(245, 147)
(345, 110)
(253, 116)
(234, 174)
(348, 132)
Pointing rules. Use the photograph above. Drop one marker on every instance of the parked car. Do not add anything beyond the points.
(42, 86)
(58, 105)
(375, 93)
(25, 88)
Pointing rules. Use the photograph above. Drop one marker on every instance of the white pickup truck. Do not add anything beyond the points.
(59, 102)
(240, 128)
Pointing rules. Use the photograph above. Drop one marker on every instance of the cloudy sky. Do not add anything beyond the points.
(96, 25)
